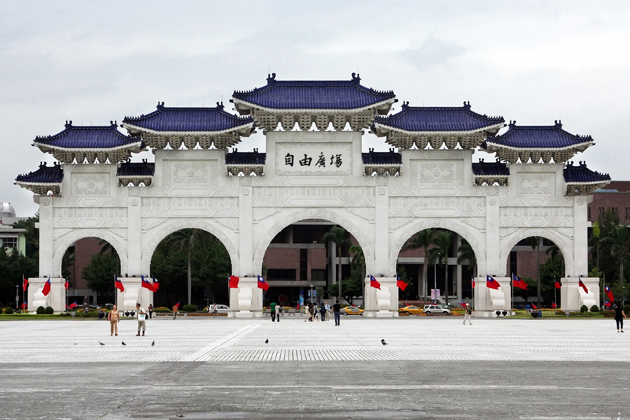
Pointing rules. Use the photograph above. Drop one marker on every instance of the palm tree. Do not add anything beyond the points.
(467, 255)
(185, 240)
(439, 253)
(358, 259)
(422, 239)
(341, 238)
(619, 241)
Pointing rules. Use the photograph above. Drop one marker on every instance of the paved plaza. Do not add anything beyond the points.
(432, 368)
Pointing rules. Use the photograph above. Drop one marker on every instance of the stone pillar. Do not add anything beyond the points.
(572, 296)
(580, 238)
(381, 303)
(56, 298)
(493, 240)
(134, 237)
(487, 300)
(134, 293)
(46, 247)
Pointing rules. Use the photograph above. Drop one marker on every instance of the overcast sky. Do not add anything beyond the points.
(92, 62)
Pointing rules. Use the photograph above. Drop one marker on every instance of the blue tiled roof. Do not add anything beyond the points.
(482, 168)
(136, 169)
(314, 94)
(581, 174)
(88, 137)
(245, 158)
(432, 119)
(44, 175)
(381, 158)
(188, 119)
(538, 137)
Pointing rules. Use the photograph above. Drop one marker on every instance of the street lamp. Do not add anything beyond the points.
(435, 278)
(311, 293)
(17, 297)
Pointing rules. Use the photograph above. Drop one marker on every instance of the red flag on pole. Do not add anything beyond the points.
(473, 282)
(156, 284)
(233, 282)
(557, 285)
(67, 284)
(583, 286)
(24, 283)
(118, 284)
(401, 284)
(24, 305)
(492, 283)
(375, 284)
(262, 284)
(46, 289)
(518, 282)
(147, 284)
(609, 293)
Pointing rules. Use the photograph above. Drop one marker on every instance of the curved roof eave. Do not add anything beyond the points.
(239, 128)
(250, 105)
(388, 128)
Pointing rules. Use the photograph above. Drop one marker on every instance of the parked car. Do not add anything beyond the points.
(414, 310)
(436, 309)
(221, 309)
(352, 310)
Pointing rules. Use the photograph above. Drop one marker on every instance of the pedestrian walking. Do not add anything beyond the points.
(150, 308)
(619, 316)
(278, 309)
(322, 311)
(112, 317)
(316, 313)
(307, 312)
(273, 311)
(468, 314)
(175, 310)
(215, 310)
(337, 312)
(327, 306)
(141, 315)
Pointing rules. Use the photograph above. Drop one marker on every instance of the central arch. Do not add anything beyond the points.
(396, 247)
(148, 251)
(565, 249)
(366, 244)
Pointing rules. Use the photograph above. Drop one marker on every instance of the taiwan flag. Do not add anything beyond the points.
(609, 293)
(534, 306)
(73, 305)
(492, 283)
(46, 289)
(233, 282)
(262, 284)
(607, 304)
(67, 284)
(24, 283)
(517, 282)
(156, 284)
(553, 305)
(375, 284)
(177, 304)
(401, 284)
(147, 284)
(118, 284)
(583, 286)
(24, 305)
(557, 285)
(473, 282)
(462, 304)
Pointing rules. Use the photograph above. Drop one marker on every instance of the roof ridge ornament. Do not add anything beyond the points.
(220, 105)
(467, 105)
(271, 78)
(558, 123)
(68, 124)
(356, 78)
(405, 105)
(160, 106)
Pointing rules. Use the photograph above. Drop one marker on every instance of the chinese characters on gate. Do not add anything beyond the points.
(335, 160)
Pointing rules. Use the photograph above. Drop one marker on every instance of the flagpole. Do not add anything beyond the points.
(555, 297)
(22, 289)
(511, 292)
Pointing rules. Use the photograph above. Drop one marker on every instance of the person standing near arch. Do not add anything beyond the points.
(337, 312)
(273, 311)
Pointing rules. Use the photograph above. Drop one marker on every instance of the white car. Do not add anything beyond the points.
(221, 309)
(436, 309)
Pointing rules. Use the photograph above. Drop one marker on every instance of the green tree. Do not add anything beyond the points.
(341, 238)
(100, 272)
(467, 255)
(550, 271)
(185, 240)
(535, 244)
(32, 235)
(438, 254)
(424, 240)
(618, 240)
(351, 288)
(358, 258)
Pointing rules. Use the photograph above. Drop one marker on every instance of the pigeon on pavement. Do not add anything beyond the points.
(266, 341)
(124, 344)
(153, 344)
(101, 343)
(383, 342)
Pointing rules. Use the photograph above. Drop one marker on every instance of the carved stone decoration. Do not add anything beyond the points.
(534, 183)
(396, 223)
(358, 234)
(419, 226)
(365, 213)
(190, 173)
(44, 202)
(64, 242)
(149, 248)
(150, 223)
(436, 173)
(231, 224)
(510, 242)
(263, 213)
(90, 184)
(476, 222)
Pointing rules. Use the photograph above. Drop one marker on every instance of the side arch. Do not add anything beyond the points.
(64, 242)
(462, 231)
(149, 249)
(364, 241)
(511, 241)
